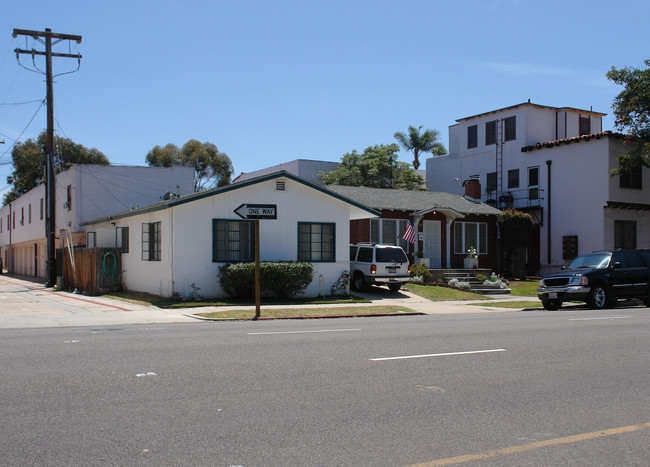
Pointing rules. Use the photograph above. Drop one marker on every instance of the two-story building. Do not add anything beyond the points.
(83, 192)
(553, 162)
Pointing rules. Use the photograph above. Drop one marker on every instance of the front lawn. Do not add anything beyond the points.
(440, 294)
(526, 288)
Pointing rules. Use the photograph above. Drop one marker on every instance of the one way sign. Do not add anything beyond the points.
(257, 211)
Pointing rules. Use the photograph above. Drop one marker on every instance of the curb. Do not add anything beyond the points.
(270, 318)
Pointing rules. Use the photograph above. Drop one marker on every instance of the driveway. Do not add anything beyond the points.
(26, 303)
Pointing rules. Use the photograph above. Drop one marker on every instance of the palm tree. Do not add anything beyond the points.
(420, 143)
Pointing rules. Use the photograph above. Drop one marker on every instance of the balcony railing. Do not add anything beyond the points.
(515, 198)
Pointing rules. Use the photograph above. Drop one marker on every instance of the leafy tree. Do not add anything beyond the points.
(420, 143)
(376, 167)
(28, 160)
(211, 167)
(632, 114)
(514, 230)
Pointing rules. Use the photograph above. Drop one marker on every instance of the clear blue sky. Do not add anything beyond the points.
(273, 81)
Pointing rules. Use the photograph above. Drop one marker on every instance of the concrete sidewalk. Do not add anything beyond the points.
(27, 303)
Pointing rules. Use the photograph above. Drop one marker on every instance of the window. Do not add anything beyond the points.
(29, 214)
(491, 182)
(22, 216)
(388, 232)
(632, 178)
(468, 235)
(41, 208)
(374, 230)
(68, 203)
(513, 178)
(13, 220)
(625, 234)
(151, 237)
(233, 240)
(472, 136)
(533, 184)
(316, 241)
(122, 239)
(585, 125)
(491, 132)
(510, 128)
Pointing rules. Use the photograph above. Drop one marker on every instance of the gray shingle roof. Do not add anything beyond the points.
(412, 201)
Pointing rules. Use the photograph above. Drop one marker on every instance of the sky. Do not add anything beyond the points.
(273, 81)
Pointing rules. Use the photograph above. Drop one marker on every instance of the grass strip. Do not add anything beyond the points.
(523, 304)
(277, 313)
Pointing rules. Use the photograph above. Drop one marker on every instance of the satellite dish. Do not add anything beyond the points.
(167, 196)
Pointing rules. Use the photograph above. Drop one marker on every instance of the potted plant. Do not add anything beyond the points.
(471, 261)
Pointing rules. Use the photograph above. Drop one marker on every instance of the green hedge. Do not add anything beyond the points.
(282, 278)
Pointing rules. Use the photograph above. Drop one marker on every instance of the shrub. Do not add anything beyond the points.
(459, 284)
(282, 278)
(417, 270)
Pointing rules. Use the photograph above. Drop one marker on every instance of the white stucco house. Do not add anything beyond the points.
(83, 192)
(555, 164)
(177, 246)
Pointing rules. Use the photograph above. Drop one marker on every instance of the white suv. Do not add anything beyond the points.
(378, 264)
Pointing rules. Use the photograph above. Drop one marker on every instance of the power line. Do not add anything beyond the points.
(16, 104)
(24, 130)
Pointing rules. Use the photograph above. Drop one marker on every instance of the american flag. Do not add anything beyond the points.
(409, 233)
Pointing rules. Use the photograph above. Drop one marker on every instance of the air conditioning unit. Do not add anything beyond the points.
(66, 206)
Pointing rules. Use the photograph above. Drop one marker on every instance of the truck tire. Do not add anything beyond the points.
(598, 298)
(359, 281)
(394, 287)
(552, 305)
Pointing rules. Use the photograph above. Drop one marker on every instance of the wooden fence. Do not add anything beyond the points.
(95, 271)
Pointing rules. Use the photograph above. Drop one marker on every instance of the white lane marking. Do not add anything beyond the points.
(436, 355)
(591, 319)
(299, 332)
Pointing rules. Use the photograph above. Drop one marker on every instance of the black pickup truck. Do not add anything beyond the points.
(600, 279)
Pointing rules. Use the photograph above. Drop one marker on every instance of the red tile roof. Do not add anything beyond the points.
(575, 139)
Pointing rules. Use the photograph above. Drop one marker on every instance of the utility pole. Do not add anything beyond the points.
(50, 185)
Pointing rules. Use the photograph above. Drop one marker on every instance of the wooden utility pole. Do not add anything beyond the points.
(50, 185)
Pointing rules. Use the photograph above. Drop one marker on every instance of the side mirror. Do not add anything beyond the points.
(563, 268)
(616, 265)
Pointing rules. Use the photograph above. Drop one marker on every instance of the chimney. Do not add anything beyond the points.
(472, 189)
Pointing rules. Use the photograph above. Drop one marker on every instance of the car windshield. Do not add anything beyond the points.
(594, 260)
(389, 255)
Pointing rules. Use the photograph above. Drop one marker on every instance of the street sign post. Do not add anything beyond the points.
(257, 212)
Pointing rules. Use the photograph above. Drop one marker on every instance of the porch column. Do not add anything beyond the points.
(448, 222)
(416, 227)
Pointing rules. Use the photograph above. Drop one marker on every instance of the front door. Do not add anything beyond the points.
(432, 243)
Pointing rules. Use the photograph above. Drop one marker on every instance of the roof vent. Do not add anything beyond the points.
(280, 185)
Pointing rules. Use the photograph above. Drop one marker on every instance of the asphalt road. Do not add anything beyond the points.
(530, 388)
